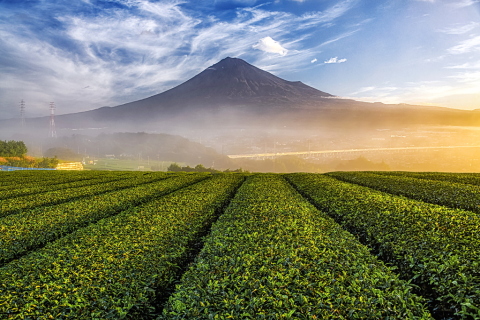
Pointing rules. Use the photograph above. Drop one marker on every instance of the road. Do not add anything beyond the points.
(279, 154)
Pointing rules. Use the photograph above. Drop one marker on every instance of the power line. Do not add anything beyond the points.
(22, 113)
(53, 132)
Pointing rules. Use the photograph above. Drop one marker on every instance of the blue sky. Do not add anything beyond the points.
(86, 54)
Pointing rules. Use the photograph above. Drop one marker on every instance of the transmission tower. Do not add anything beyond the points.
(22, 113)
(53, 132)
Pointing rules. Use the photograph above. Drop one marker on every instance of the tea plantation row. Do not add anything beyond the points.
(132, 245)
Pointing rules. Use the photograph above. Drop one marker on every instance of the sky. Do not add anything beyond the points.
(86, 54)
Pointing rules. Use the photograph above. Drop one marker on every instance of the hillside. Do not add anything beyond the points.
(144, 146)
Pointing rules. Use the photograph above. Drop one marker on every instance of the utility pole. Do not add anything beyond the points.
(22, 113)
(53, 132)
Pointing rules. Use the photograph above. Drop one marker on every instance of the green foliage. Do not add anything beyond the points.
(29, 162)
(12, 148)
(46, 163)
(436, 248)
(174, 167)
(467, 178)
(450, 194)
(272, 255)
(114, 268)
(35, 228)
(22, 203)
(43, 181)
(102, 245)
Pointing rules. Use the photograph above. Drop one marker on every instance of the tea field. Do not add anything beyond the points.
(156, 245)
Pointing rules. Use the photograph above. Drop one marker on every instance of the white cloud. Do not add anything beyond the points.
(469, 45)
(267, 44)
(464, 3)
(335, 60)
(461, 28)
(465, 66)
(314, 60)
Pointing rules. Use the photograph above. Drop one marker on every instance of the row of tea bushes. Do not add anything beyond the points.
(467, 178)
(31, 188)
(38, 178)
(20, 204)
(435, 247)
(115, 267)
(272, 255)
(450, 194)
(32, 229)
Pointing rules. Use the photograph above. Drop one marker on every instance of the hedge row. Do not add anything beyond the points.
(450, 194)
(23, 232)
(467, 178)
(117, 266)
(20, 204)
(16, 178)
(29, 188)
(272, 255)
(435, 247)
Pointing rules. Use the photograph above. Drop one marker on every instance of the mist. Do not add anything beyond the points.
(280, 141)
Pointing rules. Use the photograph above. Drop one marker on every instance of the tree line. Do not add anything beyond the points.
(12, 148)
(14, 154)
(174, 167)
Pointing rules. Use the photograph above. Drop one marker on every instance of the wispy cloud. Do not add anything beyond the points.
(467, 65)
(335, 60)
(340, 37)
(466, 46)
(464, 3)
(460, 28)
(332, 13)
(314, 60)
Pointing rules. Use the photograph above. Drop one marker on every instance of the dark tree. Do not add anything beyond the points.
(174, 167)
(12, 148)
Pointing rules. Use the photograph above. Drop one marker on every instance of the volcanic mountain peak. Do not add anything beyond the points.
(235, 80)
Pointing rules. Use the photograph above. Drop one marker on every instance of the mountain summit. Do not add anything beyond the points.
(235, 80)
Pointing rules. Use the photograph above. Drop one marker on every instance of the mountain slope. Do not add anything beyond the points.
(229, 83)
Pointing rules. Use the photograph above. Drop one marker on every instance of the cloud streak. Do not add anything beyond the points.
(461, 28)
(334, 60)
(470, 45)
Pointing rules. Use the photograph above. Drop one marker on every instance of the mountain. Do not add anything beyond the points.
(233, 81)
(231, 84)
(233, 93)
